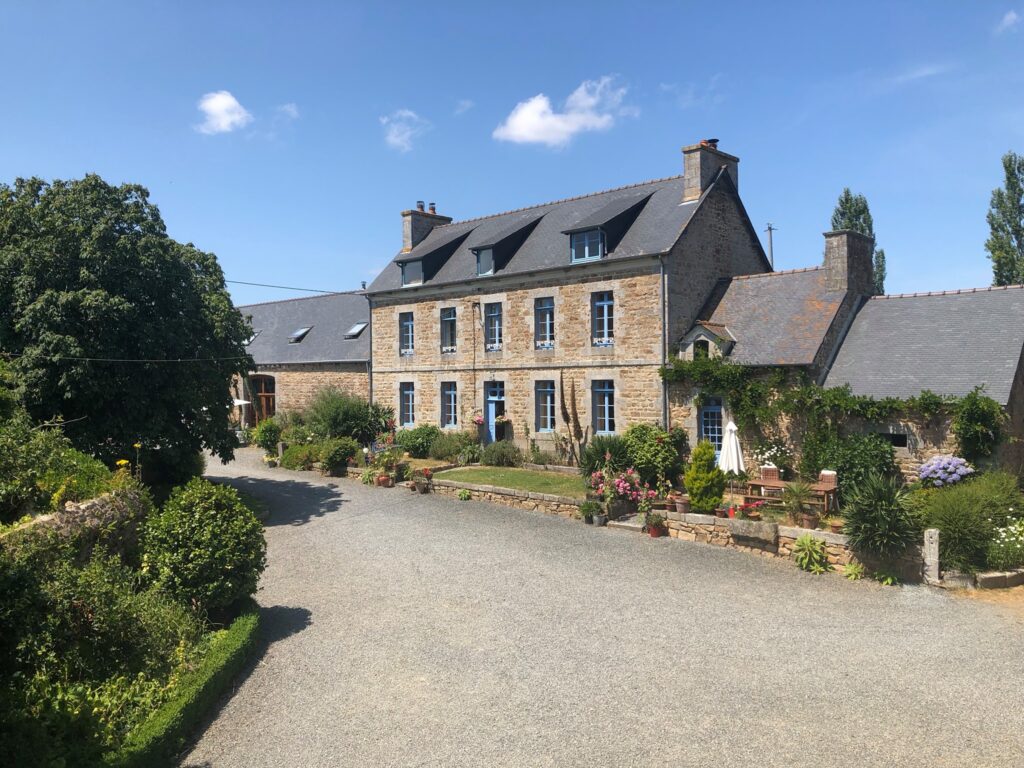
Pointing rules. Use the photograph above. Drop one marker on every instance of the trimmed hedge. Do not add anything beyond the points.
(160, 738)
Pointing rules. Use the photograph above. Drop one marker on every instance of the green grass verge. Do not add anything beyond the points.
(159, 739)
(537, 481)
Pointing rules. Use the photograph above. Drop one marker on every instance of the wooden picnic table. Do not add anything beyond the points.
(824, 493)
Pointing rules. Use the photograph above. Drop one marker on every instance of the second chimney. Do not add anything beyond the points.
(701, 163)
(849, 262)
(416, 225)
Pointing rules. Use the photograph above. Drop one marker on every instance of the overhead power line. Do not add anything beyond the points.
(11, 356)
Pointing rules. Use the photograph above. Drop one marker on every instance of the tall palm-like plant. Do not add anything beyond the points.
(878, 517)
(798, 497)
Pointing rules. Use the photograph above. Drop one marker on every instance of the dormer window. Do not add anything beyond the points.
(298, 335)
(485, 262)
(355, 330)
(587, 245)
(412, 273)
(701, 349)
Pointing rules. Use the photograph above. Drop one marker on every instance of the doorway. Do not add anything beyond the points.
(494, 406)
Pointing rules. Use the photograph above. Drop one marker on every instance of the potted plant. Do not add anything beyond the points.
(601, 518)
(421, 479)
(836, 524)
(682, 504)
(721, 512)
(385, 481)
(589, 510)
(655, 525)
(751, 511)
(799, 498)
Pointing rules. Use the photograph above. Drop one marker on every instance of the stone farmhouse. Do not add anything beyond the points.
(496, 323)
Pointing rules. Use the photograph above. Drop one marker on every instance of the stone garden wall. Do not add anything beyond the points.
(564, 506)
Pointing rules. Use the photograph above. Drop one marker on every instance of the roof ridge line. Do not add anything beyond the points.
(774, 273)
(562, 200)
(301, 298)
(953, 292)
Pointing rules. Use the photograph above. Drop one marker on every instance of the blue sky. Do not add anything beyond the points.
(287, 137)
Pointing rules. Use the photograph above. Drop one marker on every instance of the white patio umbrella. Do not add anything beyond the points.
(731, 457)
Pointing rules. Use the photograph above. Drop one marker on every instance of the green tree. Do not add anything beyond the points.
(852, 212)
(90, 284)
(1005, 244)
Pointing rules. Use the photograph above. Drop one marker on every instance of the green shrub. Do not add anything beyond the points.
(297, 433)
(159, 739)
(302, 456)
(502, 453)
(465, 494)
(546, 458)
(810, 555)
(168, 467)
(469, 455)
(596, 455)
(335, 454)
(448, 445)
(206, 548)
(652, 453)
(333, 413)
(418, 440)
(998, 493)
(1006, 551)
(878, 519)
(979, 424)
(267, 435)
(705, 482)
(853, 458)
(680, 440)
(590, 508)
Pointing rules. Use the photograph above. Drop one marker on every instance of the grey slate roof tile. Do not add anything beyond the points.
(330, 316)
(656, 229)
(777, 318)
(947, 342)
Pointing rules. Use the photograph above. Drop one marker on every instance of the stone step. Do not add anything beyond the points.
(628, 523)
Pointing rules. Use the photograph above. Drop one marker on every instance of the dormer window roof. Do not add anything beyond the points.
(598, 233)
(299, 334)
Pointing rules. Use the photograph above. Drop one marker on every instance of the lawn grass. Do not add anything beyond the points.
(538, 481)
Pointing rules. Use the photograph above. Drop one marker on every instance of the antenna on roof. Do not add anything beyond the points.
(771, 254)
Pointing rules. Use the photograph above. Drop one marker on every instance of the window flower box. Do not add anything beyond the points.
(603, 341)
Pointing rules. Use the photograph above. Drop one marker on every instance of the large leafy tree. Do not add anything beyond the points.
(852, 212)
(1005, 244)
(96, 301)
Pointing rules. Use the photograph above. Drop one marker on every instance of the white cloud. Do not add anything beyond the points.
(1009, 21)
(919, 73)
(464, 105)
(222, 113)
(593, 106)
(401, 127)
(289, 111)
(691, 95)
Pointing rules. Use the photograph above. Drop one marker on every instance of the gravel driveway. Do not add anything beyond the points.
(407, 630)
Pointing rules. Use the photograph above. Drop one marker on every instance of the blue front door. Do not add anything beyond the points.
(711, 423)
(494, 406)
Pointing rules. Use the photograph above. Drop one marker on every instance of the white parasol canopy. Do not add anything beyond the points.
(731, 457)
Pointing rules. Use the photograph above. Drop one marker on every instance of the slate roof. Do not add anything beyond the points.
(777, 318)
(330, 316)
(655, 230)
(947, 342)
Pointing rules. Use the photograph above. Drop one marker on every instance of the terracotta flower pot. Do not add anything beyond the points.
(385, 481)
(721, 513)
(683, 505)
(808, 521)
(837, 527)
(753, 515)
(656, 531)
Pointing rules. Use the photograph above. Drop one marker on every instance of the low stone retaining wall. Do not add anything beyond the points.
(774, 540)
(566, 506)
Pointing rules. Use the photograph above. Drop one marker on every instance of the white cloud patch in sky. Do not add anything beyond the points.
(289, 111)
(401, 127)
(1009, 21)
(691, 95)
(919, 73)
(464, 105)
(593, 106)
(222, 113)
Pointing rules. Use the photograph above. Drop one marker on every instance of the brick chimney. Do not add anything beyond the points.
(849, 262)
(701, 163)
(417, 223)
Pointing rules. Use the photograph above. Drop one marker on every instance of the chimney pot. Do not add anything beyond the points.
(419, 205)
(433, 208)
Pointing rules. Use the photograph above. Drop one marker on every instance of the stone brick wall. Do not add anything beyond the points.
(632, 362)
(537, 502)
(295, 385)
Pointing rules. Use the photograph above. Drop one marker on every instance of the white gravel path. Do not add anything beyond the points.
(408, 630)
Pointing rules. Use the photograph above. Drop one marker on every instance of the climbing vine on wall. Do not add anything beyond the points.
(759, 397)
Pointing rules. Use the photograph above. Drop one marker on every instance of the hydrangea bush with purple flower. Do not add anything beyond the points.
(941, 471)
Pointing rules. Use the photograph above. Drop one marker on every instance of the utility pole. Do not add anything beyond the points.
(771, 254)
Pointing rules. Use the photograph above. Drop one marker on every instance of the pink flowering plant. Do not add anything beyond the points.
(626, 486)
(478, 420)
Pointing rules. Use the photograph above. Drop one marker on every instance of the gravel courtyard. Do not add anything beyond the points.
(407, 630)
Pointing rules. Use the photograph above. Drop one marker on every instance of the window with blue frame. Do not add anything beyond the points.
(407, 404)
(492, 327)
(406, 333)
(586, 246)
(710, 422)
(603, 398)
(544, 396)
(485, 262)
(544, 323)
(602, 315)
(448, 344)
(412, 273)
(449, 404)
